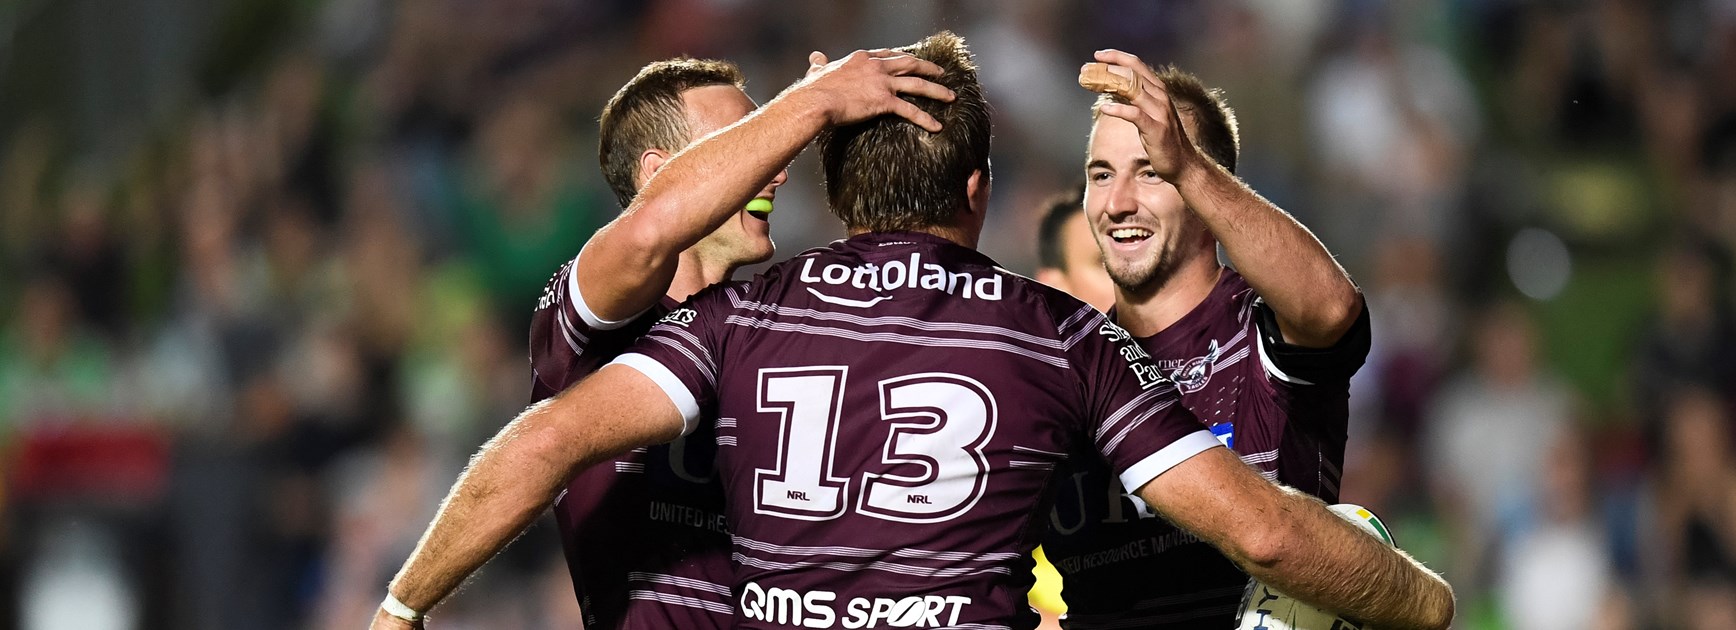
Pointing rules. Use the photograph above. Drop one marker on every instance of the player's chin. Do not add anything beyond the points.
(758, 250)
(755, 246)
(1136, 257)
(1128, 274)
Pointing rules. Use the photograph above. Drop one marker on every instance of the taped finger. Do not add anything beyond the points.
(1113, 80)
(1130, 62)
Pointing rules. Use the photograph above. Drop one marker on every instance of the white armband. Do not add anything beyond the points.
(397, 609)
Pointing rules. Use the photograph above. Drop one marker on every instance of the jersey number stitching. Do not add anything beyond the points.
(939, 424)
(807, 402)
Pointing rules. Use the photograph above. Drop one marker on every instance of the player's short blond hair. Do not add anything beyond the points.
(1212, 120)
(889, 174)
(647, 113)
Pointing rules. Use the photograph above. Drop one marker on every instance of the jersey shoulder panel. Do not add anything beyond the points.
(566, 344)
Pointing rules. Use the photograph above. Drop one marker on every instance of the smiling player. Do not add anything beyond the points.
(1262, 353)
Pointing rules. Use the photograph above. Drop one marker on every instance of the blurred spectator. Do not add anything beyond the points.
(1483, 436)
(1392, 122)
(1685, 344)
(381, 498)
(23, 174)
(517, 209)
(89, 255)
(1556, 572)
(1408, 358)
(53, 370)
(1714, 196)
(1696, 511)
(77, 582)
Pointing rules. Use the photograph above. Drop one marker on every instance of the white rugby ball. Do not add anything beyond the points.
(1264, 608)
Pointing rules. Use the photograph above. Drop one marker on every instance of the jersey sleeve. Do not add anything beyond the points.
(1298, 365)
(559, 335)
(679, 354)
(1133, 413)
(566, 335)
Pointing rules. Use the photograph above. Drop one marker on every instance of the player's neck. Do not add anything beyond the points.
(694, 272)
(962, 236)
(1154, 309)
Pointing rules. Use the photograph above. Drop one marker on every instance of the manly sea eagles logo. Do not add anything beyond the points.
(1193, 375)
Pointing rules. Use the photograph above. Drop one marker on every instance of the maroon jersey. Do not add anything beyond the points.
(890, 412)
(1283, 409)
(643, 533)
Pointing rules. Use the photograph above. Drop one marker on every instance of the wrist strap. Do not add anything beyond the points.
(397, 608)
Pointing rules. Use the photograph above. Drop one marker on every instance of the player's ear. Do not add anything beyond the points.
(649, 162)
(976, 189)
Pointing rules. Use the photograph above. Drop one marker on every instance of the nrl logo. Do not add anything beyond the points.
(1193, 375)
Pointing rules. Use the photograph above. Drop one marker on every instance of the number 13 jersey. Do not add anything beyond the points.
(889, 413)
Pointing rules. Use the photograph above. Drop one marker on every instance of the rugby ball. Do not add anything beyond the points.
(1264, 608)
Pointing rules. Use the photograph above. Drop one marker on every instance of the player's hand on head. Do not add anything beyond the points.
(869, 83)
(1166, 139)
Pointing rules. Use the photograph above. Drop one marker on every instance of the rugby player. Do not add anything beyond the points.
(1262, 354)
(643, 533)
(1067, 254)
(890, 409)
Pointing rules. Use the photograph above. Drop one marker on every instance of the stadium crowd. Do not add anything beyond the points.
(269, 268)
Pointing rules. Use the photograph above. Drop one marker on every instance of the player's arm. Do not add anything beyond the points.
(517, 474)
(1290, 541)
(1314, 299)
(1281, 537)
(629, 264)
